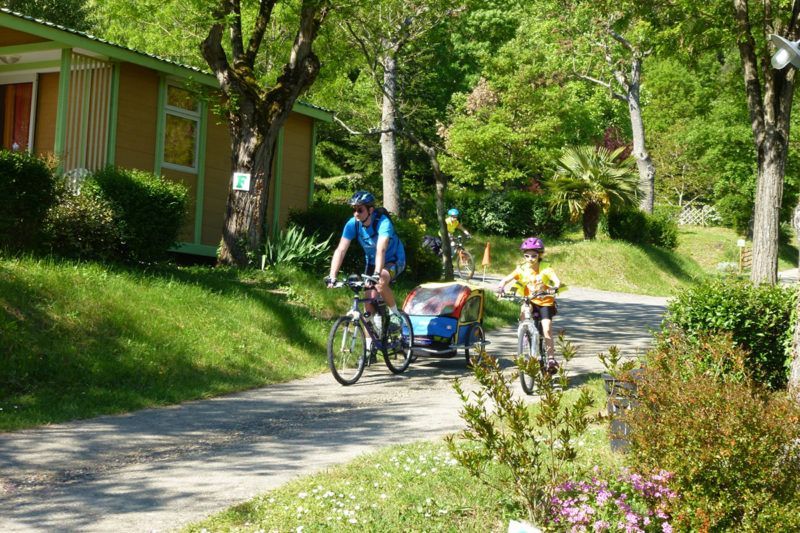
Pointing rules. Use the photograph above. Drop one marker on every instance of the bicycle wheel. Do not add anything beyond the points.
(347, 350)
(398, 343)
(529, 349)
(465, 264)
(475, 340)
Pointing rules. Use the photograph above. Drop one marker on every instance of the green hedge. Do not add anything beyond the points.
(117, 215)
(27, 190)
(510, 213)
(83, 226)
(637, 227)
(151, 210)
(757, 317)
(732, 447)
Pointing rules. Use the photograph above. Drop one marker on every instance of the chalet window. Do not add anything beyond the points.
(181, 127)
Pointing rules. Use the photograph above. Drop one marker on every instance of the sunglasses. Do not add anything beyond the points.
(530, 256)
(359, 209)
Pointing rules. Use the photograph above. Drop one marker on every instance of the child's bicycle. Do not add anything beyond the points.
(463, 261)
(530, 337)
(355, 340)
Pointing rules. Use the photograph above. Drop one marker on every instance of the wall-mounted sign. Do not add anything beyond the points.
(241, 181)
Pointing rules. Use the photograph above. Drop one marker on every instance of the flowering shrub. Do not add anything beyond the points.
(630, 502)
(733, 446)
(536, 448)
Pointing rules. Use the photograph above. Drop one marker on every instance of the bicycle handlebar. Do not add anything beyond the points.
(353, 282)
(527, 299)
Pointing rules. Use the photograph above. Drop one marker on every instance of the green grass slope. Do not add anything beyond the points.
(80, 340)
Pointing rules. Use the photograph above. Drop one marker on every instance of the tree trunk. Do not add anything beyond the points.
(391, 178)
(769, 192)
(647, 171)
(243, 230)
(441, 188)
(591, 219)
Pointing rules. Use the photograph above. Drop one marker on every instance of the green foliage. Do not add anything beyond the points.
(732, 446)
(293, 247)
(590, 181)
(534, 449)
(325, 218)
(27, 189)
(150, 209)
(509, 213)
(422, 264)
(73, 14)
(735, 203)
(637, 227)
(83, 226)
(757, 317)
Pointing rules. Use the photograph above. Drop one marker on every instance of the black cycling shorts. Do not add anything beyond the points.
(545, 312)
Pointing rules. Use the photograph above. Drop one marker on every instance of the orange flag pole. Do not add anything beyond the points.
(486, 259)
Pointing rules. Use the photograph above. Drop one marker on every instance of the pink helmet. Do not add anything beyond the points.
(532, 243)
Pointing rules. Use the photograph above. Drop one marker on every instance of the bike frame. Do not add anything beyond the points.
(530, 322)
(356, 313)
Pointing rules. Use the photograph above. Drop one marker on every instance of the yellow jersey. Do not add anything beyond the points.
(452, 224)
(534, 281)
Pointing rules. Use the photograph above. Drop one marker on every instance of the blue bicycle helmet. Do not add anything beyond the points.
(362, 198)
(453, 213)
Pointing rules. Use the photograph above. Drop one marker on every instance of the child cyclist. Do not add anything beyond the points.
(453, 224)
(536, 278)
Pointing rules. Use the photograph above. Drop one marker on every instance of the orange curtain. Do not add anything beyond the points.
(17, 116)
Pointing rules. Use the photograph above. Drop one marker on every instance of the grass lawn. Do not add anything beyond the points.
(612, 265)
(81, 339)
(416, 487)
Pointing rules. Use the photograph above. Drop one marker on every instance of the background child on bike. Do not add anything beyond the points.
(535, 278)
(453, 224)
(383, 250)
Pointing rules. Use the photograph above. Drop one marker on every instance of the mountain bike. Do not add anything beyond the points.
(530, 337)
(463, 261)
(355, 338)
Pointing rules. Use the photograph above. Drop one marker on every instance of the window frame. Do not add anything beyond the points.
(195, 116)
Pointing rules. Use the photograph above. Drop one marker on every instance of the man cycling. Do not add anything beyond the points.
(383, 250)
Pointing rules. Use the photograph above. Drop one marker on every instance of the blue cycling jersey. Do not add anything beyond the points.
(368, 238)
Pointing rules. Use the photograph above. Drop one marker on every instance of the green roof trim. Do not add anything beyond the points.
(44, 46)
(62, 37)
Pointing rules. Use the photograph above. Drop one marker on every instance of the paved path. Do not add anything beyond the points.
(158, 469)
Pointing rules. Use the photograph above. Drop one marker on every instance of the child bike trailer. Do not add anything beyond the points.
(445, 318)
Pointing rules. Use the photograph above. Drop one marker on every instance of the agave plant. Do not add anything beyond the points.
(293, 247)
(589, 181)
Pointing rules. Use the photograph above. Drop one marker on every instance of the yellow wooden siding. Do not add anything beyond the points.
(44, 135)
(296, 165)
(136, 117)
(217, 179)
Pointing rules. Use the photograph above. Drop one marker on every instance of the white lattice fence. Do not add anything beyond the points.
(704, 215)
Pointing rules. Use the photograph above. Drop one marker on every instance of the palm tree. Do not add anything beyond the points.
(589, 181)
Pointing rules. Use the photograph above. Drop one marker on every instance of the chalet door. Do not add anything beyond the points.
(15, 115)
